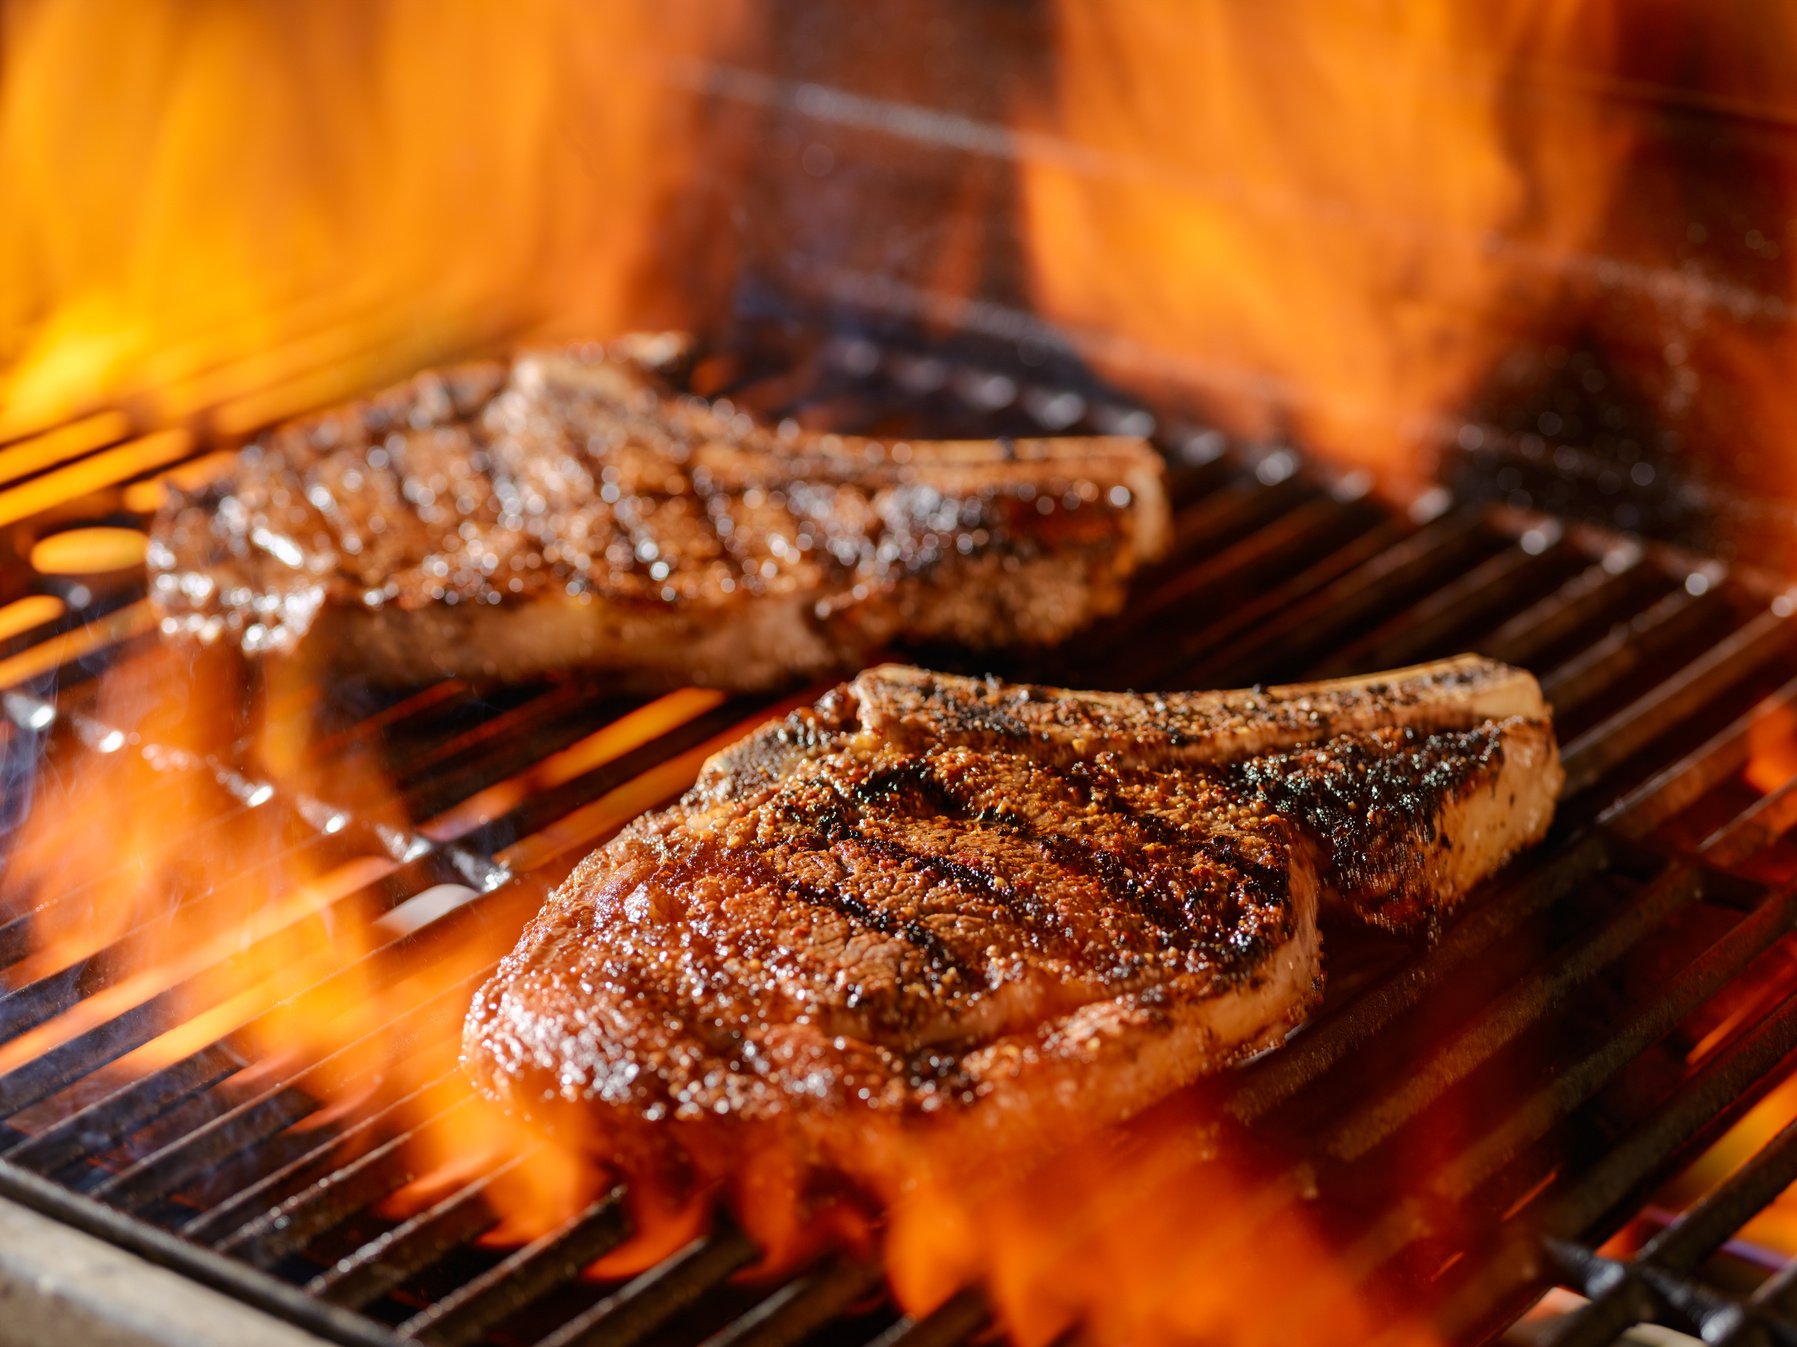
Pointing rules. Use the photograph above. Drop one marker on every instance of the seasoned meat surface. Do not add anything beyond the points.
(1405, 822)
(1187, 728)
(1020, 909)
(572, 509)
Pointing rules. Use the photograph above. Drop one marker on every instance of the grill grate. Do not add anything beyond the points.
(1601, 1015)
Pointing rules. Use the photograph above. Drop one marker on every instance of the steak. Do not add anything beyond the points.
(571, 509)
(1020, 911)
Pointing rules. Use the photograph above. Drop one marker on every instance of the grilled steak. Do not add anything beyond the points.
(1019, 909)
(573, 510)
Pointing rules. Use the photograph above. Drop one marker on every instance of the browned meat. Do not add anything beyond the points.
(1021, 910)
(572, 510)
(1356, 759)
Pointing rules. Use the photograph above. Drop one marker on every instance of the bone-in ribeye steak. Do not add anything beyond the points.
(571, 509)
(1024, 907)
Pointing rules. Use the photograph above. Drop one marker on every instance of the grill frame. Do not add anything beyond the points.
(1246, 515)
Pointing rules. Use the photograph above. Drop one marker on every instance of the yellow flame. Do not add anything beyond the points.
(191, 189)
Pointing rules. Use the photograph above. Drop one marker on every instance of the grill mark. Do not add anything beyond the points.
(714, 501)
(661, 423)
(1162, 905)
(776, 473)
(632, 514)
(751, 862)
(834, 826)
(1253, 879)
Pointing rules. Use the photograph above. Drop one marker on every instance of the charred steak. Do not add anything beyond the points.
(571, 509)
(1022, 909)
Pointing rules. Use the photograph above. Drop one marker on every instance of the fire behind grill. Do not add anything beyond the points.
(1599, 1015)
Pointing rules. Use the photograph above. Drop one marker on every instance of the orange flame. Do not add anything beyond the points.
(1331, 218)
(266, 924)
(1140, 1236)
(299, 200)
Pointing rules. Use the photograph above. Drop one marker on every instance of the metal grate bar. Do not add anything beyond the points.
(1673, 620)
(62, 660)
(63, 1065)
(1210, 564)
(1678, 1249)
(1270, 567)
(123, 1111)
(1680, 785)
(800, 1307)
(1235, 509)
(1626, 732)
(416, 1243)
(1729, 1077)
(540, 810)
(1437, 548)
(954, 1321)
(1753, 830)
(38, 1002)
(1540, 885)
(1489, 587)
(235, 1279)
(1511, 1014)
(1572, 1085)
(1317, 525)
(508, 745)
(1454, 1178)
(547, 1262)
(1207, 654)
(325, 1185)
(262, 1115)
(1766, 1315)
(79, 1066)
(643, 1305)
(1602, 587)
(292, 1224)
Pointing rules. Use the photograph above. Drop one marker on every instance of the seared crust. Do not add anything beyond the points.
(885, 908)
(573, 510)
(1410, 821)
(904, 704)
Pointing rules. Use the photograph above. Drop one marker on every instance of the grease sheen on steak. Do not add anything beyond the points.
(1023, 909)
(572, 509)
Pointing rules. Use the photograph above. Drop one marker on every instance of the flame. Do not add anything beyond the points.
(205, 890)
(294, 202)
(1140, 1234)
(247, 891)
(1328, 218)
(211, 893)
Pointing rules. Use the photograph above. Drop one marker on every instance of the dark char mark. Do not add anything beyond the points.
(1164, 906)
